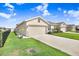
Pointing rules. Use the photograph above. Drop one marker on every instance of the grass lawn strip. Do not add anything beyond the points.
(67, 35)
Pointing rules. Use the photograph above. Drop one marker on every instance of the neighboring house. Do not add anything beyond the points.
(33, 26)
(71, 27)
(61, 26)
(77, 28)
(12, 29)
(51, 26)
(4, 28)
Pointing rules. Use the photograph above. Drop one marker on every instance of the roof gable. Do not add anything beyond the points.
(31, 19)
(38, 17)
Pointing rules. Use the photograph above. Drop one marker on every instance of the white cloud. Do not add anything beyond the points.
(73, 13)
(68, 19)
(45, 5)
(9, 5)
(11, 11)
(14, 14)
(59, 9)
(43, 9)
(64, 11)
(7, 16)
(39, 8)
(45, 13)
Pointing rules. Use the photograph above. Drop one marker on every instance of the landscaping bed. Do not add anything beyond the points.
(15, 46)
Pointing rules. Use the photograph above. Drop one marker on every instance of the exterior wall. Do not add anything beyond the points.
(74, 28)
(31, 27)
(63, 27)
(52, 28)
(21, 29)
(12, 29)
(71, 28)
(35, 22)
(49, 28)
(77, 29)
(36, 27)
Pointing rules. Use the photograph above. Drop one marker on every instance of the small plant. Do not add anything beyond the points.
(49, 32)
(20, 36)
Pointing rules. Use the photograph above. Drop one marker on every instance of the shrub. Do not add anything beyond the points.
(57, 31)
(4, 36)
(20, 36)
(49, 32)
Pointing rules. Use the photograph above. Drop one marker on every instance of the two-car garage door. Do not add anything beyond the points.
(35, 30)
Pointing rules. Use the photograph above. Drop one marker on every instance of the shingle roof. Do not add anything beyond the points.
(52, 23)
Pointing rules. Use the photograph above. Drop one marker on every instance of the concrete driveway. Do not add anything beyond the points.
(69, 46)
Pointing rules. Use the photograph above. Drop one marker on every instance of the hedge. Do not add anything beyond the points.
(4, 36)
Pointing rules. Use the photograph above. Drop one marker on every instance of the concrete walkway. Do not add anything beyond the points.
(69, 46)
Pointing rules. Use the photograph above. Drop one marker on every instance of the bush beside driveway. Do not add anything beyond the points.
(3, 36)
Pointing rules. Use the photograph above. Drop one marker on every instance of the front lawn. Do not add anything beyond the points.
(0, 38)
(67, 35)
(24, 47)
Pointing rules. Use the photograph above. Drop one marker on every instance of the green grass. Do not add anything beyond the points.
(0, 37)
(67, 35)
(0, 34)
(15, 46)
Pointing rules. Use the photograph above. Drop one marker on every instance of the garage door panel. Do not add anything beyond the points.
(36, 30)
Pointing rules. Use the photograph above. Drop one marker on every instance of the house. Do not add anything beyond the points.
(38, 25)
(4, 29)
(77, 28)
(34, 26)
(71, 27)
(51, 26)
(61, 26)
(12, 29)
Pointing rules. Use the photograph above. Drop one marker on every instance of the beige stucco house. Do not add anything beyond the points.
(38, 25)
(77, 28)
(71, 27)
(33, 26)
(61, 26)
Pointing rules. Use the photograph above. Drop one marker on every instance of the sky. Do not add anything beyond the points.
(14, 13)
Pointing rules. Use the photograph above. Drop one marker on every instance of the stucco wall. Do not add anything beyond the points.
(63, 27)
(35, 22)
(21, 29)
(36, 27)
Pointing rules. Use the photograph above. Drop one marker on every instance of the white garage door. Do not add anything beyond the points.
(33, 30)
(63, 29)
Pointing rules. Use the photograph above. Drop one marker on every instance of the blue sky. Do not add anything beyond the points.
(14, 13)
